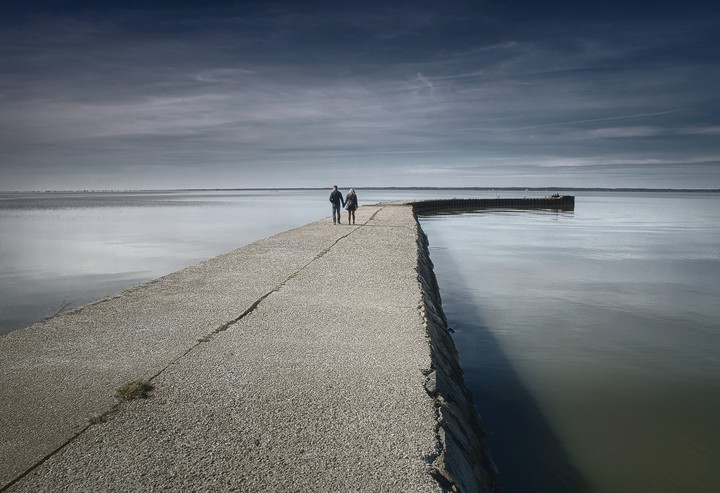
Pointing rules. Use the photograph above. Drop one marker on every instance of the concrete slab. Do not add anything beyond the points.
(297, 363)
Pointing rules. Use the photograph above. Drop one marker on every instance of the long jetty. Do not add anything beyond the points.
(318, 359)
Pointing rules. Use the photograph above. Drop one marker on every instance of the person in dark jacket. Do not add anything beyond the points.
(351, 204)
(336, 199)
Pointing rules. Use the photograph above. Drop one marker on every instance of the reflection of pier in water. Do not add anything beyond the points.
(556, 202)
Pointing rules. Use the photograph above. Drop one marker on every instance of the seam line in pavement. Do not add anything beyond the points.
(49, 455)
(277, 288)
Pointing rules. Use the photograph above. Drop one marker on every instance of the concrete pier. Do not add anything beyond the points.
(315, 360)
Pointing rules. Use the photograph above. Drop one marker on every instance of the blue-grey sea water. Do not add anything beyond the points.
(62, 250)
(590, 339)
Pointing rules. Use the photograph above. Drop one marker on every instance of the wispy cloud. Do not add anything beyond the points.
(426, 82)
(602, 132)
(712, 130)
(625, 132)
(289, 88)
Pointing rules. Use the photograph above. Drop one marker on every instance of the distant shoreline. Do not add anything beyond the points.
(300, 189)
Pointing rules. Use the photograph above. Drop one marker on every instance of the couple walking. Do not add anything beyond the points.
(350, 202)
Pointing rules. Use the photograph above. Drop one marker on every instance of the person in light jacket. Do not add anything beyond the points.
(351, 204)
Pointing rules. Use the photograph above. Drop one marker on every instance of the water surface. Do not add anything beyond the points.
(63, 250)
(590, 339)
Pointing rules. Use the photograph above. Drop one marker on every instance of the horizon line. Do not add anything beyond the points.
(528, 189)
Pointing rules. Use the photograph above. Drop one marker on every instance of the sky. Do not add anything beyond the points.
(483, 93)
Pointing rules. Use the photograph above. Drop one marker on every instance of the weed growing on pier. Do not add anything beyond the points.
(138, 389)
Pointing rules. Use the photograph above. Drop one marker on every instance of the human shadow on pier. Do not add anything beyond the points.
(528, 453)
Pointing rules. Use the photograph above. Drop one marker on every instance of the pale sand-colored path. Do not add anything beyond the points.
(297, 363)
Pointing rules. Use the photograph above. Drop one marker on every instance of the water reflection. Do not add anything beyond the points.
(66, 249)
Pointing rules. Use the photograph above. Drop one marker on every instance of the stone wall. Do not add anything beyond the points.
(462, 461)
(561, 202)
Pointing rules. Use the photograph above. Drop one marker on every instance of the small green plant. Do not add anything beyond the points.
(138, 389)
(97, 419)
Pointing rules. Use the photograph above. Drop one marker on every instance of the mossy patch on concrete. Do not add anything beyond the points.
(137, 389)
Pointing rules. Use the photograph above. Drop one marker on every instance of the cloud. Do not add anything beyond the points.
(426, 82)
(712, 130)
(283, 88)
(223, 75)
(625, 132)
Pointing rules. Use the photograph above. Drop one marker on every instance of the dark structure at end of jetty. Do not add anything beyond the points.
(554, 202)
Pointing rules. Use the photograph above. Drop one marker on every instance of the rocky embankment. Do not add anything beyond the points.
(463, 460)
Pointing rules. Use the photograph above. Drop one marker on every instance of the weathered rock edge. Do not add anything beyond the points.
(462, 461)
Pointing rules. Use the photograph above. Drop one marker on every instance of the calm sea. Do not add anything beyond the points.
(63, 250)
(590, 339)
